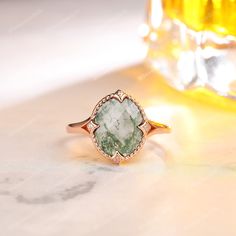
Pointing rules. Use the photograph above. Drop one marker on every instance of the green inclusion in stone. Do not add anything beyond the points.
(118, 127)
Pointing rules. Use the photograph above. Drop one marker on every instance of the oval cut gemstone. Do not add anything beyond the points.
(118, 127)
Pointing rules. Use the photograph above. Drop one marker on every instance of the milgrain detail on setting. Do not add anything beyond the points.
(135, 144)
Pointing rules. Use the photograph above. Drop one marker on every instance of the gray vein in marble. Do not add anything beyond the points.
(5, 181)
(104, 168)
(8, 180)
(64, 195)
(4, 193)
(40, 200)
(79, 189)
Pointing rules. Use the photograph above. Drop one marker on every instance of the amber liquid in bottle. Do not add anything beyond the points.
(192, 43)
(218, 16)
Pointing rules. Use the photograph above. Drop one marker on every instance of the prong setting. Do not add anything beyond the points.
(145, 127)
(117, 158)
(91, 126)
(120, 95)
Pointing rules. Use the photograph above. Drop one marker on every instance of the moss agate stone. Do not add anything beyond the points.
(118, 127)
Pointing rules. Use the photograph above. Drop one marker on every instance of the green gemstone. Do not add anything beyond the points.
(118, 127)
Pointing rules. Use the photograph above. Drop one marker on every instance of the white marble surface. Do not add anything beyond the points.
(52, 183)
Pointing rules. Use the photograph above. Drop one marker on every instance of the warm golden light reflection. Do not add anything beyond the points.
(193, 43)
(203, 123)
(215, 15)
(211, 99)
(157, 13)
(164, 113)
(183, 123)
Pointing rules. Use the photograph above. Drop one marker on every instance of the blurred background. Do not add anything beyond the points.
(58, 58)
(193, 43)
(47, 44)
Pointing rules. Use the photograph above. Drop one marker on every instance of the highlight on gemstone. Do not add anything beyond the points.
(118, 129)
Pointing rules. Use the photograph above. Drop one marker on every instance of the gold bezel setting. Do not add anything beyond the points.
(120, 96)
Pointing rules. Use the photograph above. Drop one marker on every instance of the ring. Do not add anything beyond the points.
(118, 127)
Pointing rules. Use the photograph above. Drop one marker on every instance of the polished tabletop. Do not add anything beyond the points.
(183, 183)
(53, 183)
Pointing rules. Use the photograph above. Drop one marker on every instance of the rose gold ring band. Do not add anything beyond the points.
(82, 127)
(131, 127)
